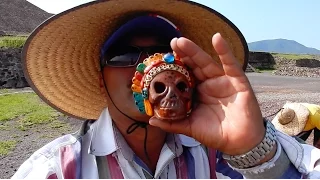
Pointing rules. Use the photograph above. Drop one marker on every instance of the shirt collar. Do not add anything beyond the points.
(102, 140)
(107, 139)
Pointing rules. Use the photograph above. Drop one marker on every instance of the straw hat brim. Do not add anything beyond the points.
(297, 125)
(61, 56)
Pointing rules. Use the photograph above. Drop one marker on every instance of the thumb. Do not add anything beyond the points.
(178, 127)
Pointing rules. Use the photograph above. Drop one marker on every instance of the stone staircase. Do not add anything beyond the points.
(250, 69)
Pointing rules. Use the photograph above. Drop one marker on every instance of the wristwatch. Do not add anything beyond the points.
(255, 155)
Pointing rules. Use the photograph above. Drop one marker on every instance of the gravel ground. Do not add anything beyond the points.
(271, 98)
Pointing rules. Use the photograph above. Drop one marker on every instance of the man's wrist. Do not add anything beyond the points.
(263, 152)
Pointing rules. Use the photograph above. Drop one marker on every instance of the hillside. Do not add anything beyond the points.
(20, 16)
(281, 46)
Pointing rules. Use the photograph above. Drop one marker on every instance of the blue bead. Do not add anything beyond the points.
(168, 58)
(138, 99)
(142, 110)
(145, 93)
(140, 103)
(137, 96)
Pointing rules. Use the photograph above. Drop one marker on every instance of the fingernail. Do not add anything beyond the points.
(175, 38)
(217, 34)
(151, 122)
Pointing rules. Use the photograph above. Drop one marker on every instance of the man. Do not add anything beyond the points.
(224, 137)
(299, 119)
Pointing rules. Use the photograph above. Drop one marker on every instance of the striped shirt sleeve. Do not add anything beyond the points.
(58, 159)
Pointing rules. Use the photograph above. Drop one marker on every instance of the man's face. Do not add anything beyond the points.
(118, 81)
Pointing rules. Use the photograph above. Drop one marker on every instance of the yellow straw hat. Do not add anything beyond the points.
(291, 119)
(61, 58)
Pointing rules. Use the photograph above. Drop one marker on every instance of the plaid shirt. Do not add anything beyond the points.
(102, 152)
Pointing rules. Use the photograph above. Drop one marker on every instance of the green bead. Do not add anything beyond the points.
(140, 68)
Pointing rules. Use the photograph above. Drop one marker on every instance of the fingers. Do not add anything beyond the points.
(230, 64)
(193, 56)
(184, 47)
(180, 127)
(203, 65)
(216, 88)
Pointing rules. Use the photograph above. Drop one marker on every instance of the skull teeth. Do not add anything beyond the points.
(170, 104)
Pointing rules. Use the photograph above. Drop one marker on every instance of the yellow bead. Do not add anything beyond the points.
(136, 88)
(148, 107)
(135, 81)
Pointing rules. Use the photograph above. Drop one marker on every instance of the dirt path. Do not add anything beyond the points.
(29, 141)
(284, 82)
(271, 97)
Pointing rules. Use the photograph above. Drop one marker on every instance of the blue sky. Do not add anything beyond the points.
(297, 20)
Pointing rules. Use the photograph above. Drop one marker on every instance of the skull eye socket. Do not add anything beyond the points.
(159, 87)
(182, 87)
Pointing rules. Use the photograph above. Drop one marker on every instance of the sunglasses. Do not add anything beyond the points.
(129, 56)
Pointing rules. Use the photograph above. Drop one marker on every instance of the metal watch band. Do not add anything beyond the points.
(255, 155)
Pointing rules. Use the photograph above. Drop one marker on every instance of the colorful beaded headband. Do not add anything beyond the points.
(147, 70)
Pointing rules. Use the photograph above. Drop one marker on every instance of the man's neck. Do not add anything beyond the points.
(154, 142)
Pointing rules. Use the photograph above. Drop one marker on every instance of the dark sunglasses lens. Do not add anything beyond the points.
(124, 56)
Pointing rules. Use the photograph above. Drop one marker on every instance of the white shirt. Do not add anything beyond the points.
(73, 156)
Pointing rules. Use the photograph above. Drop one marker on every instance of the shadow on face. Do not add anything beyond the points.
(118, 81)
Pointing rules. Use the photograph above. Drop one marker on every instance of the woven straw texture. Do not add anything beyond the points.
(61, 57)
(297, 125)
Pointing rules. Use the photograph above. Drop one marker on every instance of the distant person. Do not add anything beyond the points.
(81, 62)
(299, 120)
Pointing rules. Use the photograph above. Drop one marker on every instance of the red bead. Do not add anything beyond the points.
(135, 81)
(142, 82)
(179, 63)
(138, 75)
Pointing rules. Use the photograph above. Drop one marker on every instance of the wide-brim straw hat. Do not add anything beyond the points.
(291, 119)
(61, 58)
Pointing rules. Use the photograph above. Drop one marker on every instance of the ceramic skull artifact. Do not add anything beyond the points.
(163, 87)
(170, 95)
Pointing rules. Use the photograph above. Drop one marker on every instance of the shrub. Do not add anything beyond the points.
(12, 41)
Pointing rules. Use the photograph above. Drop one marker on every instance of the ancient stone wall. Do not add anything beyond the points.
(261, 60)
(310, 63)
(300, 68)
(11, 73)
